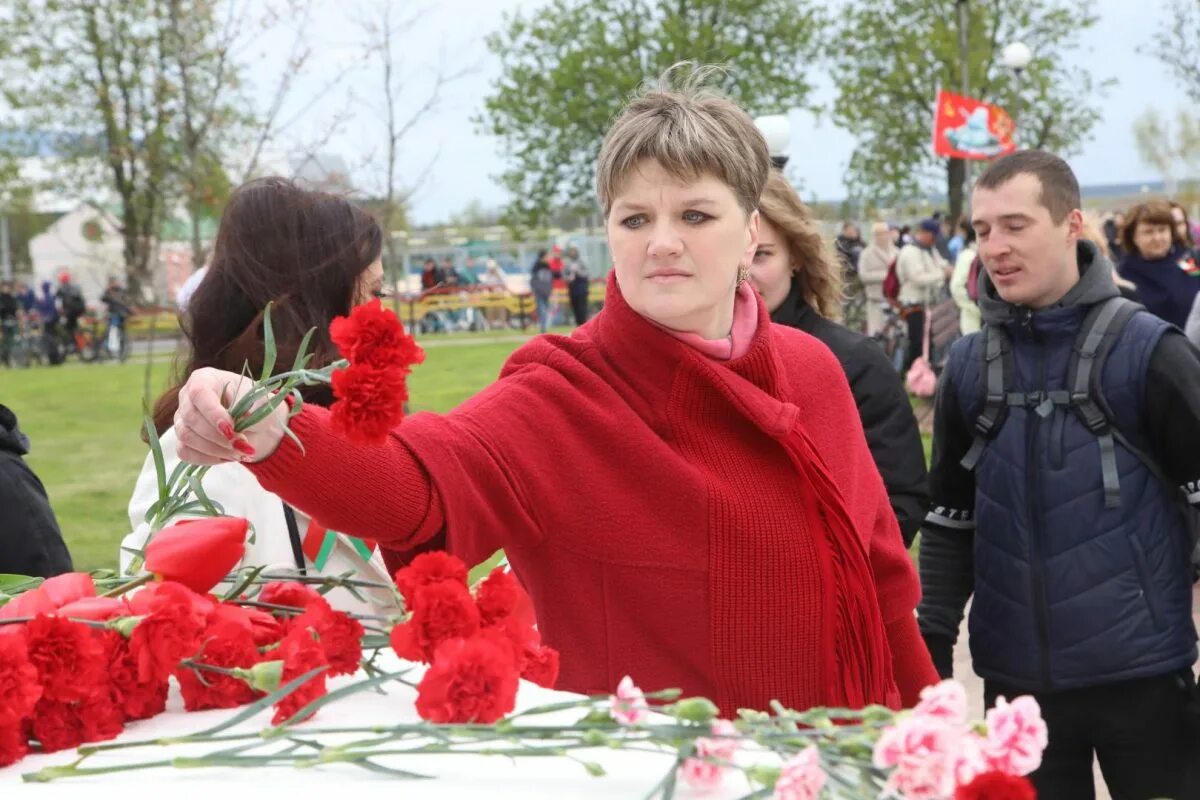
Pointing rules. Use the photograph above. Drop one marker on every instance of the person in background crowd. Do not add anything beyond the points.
(541, 283)
(1183, 228)
(576, 276)
(800, 282)
(903, 236)
(46, 308)
(117, 304)
(556, 264)
(450, 276)
(922, 273)
(30, 541)
(493, 276)
(10, 320)
(872, 270)
(314, 256)
(1077, 552)
(1094, 232)
(1163, 269)
(968, 309)
(25, 296)
(431, 276)
(71, 305)
(1112, 234)
(941, 242)
(683, 487)
(962, 232)
(849, 247)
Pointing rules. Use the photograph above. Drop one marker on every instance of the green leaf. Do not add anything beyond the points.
(211, 508)
(302, 354)
(160, 467)
(269, 351)
(349, 689)
(260, 413)
(12, 585)
(288, 433)
(257, 706)
(246, 582)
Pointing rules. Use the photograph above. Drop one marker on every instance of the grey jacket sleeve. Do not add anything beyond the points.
(1193, 323)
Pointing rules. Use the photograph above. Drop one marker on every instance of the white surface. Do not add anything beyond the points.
(629, 774)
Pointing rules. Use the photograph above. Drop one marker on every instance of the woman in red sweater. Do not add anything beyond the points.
(736, 540)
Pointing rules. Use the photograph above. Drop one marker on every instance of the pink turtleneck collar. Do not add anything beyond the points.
(737, 343)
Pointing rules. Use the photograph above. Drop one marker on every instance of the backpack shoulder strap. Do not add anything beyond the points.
(996, 375)
(1101, 328)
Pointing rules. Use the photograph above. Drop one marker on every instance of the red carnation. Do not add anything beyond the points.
(60, 726)
(429, 568)
(13, 746)
(197, 552)
(159, 595)
(471, 680)
(161, 640)
(501, 596)
(137, 699)
(442, 611)
(373, 335)
(300, 653)
(99, 609)
(288, 593)
(541, 666)
(224, 644)
(19, 687)
(68, 656)
(261, 626)
(339, 635)
(996, 785)
(370, 402)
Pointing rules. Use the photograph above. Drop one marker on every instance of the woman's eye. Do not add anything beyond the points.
(695, 217)
(634, 222)
(759, 254)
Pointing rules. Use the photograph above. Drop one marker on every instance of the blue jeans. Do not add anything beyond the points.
(543, 311)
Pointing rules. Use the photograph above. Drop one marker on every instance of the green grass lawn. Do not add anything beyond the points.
(84, 423)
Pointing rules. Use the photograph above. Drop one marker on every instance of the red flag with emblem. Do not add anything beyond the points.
(964, 127)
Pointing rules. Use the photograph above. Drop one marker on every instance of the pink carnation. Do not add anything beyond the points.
(924, 753)
(946, 700)
(1016, 736)
(629, 703)
(802, 776)
(707, 769)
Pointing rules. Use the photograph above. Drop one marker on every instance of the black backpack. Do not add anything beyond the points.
(1101, 328)
(72, 301)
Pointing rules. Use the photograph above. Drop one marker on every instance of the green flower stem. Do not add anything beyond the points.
(47, 774)
(140, 580)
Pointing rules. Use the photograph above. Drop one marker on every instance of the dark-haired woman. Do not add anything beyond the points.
(1158, 262)
(314, 256)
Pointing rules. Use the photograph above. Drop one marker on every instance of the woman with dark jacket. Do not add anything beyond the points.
(1162, 267)
(801, 285)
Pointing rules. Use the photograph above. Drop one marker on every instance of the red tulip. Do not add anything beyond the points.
(67, 588)
(197, 553)
(100, 609)
(27, 604)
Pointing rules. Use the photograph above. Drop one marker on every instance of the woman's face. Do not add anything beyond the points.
(1152, 240)
(370, 283)
(882, 236)
(771, 272)
(677, 246)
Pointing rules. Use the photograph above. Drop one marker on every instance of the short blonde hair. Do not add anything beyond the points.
(817, 271)
(690, 130)
(1093, 231)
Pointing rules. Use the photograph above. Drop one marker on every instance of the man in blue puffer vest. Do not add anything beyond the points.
(1075, 546)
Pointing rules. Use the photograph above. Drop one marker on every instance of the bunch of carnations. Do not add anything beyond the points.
(933, 753)
(477, 646)
(75, 667)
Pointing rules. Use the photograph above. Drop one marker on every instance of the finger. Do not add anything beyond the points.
(199, 456)
(204, 409)
(192, 426)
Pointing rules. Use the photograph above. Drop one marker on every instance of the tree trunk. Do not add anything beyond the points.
(955, 172)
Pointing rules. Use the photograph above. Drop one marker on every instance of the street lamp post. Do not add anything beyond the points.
(1016, 56)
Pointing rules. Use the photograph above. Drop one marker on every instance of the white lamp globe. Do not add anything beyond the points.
(1016, 56)
(777, 130)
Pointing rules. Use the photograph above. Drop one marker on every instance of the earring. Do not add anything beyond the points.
(743, 274)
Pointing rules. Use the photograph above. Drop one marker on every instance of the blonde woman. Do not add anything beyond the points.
(725, 531)
(799, 280)
(872, 270)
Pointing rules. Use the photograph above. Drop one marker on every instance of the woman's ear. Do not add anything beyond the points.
(752, 245)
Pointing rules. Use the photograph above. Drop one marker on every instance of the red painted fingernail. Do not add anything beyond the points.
(226, 430)
(242, 446)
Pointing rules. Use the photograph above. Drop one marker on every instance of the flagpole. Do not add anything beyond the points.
(963, 53)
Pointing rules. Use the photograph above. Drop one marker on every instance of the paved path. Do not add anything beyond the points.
(964, 673)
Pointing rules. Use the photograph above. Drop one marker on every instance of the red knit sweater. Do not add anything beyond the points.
(691, 523)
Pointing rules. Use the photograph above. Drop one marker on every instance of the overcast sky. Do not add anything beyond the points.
(451, 33)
